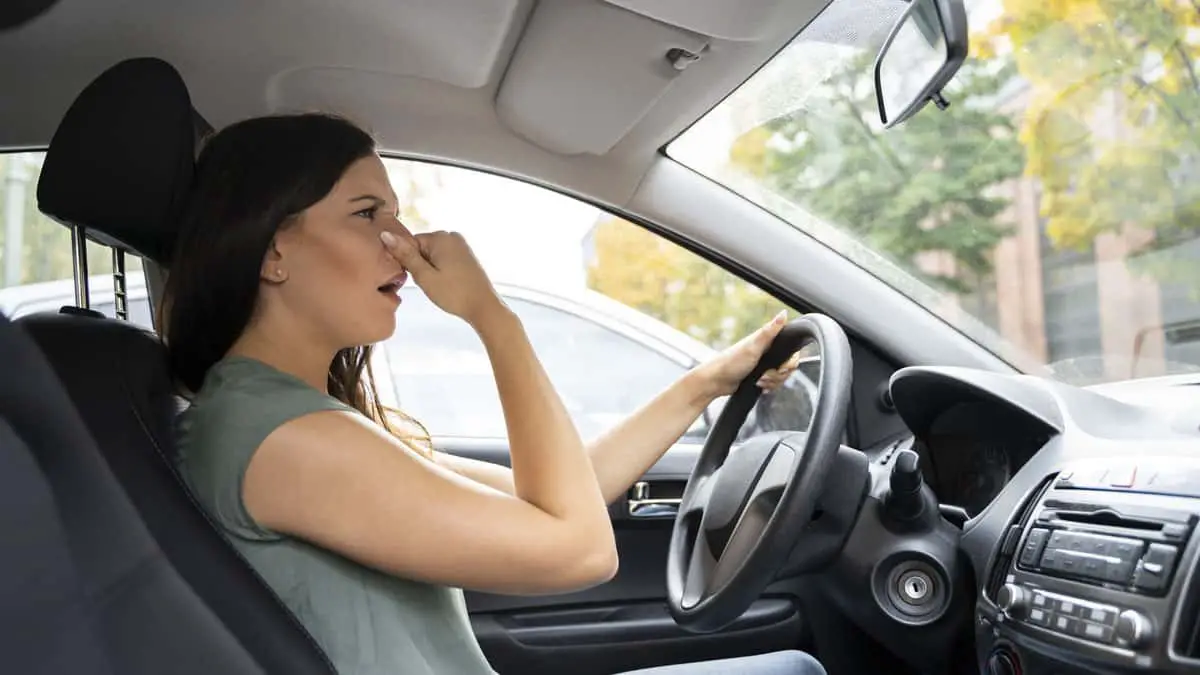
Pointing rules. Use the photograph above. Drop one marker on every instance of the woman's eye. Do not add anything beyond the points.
(368, 213)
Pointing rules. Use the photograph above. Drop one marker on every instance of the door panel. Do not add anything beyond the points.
(622, 637)
(623, 624)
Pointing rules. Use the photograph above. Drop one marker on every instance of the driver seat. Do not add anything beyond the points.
(116, 172)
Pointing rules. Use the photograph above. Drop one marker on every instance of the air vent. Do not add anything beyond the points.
(1187, 637)
(1012, 535)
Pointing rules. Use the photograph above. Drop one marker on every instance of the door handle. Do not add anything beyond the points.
(642, 505)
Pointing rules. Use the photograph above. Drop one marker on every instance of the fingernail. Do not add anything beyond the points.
(388, 238)
(781, 316)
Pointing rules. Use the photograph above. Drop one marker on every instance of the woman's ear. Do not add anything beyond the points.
(273, 271)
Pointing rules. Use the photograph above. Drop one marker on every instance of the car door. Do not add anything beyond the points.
(442, 377)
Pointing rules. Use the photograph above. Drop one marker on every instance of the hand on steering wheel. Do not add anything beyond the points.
(741, 515)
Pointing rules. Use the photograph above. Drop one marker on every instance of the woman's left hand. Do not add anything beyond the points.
(725, 371)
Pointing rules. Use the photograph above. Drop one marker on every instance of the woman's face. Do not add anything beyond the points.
(330, 270)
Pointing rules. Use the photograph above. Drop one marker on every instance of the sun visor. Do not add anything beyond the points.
(585, 72)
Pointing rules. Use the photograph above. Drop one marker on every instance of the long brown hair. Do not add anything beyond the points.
(252, 179)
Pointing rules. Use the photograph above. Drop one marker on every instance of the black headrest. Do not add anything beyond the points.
(121, 161)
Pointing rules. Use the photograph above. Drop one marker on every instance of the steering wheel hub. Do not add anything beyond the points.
(734, 484)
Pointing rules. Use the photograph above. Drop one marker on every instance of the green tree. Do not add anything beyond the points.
(674, 285)
(925, 186)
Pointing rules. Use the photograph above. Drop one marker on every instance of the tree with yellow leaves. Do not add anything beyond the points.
(1110, 130)
(674, 285)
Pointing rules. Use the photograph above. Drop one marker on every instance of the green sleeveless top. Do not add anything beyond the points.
(367, 622)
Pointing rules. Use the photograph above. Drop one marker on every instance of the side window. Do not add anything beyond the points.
(440, 372)
(35, 252)
(442, 376)
(615, 312)
(601, 374)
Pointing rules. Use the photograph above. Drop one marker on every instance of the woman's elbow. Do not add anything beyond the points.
(605, 566)
(591, 566)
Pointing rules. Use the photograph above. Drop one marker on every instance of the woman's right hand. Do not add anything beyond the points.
(444, 266)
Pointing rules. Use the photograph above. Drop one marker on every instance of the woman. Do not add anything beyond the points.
(289, 259)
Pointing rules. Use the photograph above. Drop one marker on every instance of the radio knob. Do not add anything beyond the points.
(1133, 629)
(1013, 599)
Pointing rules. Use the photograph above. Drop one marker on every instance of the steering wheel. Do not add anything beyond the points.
(742, 514)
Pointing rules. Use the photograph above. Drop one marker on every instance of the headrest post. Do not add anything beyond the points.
(80, 266)
(119, 297)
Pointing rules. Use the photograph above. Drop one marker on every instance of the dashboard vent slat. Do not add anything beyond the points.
(1003, 558)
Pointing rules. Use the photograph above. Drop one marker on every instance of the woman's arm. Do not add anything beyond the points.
(626, 452)
(343, 483)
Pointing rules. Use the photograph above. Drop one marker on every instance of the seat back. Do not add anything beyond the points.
(85, 588)
(117, 170)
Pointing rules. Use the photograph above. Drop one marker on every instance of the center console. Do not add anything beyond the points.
(1095, 574)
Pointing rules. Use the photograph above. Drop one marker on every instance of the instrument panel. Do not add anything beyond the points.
(972, 450)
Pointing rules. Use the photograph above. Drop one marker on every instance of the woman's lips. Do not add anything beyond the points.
(393, 286)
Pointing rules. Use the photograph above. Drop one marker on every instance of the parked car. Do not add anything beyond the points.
(49, 296)
(604, 358)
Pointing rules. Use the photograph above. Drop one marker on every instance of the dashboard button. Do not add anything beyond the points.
(1094, 631)
(1117, 574)
(1100, 615)
(1040, 599)
(1155, 570)
(1126, 549)
(1066, 607)
(1175, 530)
(1033, 546)
(1059, 539)
(1065, 624)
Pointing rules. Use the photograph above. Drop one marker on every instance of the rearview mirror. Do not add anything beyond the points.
(925, 49)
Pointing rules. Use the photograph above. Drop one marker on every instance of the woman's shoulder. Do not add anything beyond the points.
(239, 384)
(241, 403)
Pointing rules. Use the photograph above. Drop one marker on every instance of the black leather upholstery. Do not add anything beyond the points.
(116, 375)
(42, 627)
(85, 587)
(121, 161)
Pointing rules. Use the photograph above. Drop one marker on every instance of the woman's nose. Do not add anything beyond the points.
(396, 227)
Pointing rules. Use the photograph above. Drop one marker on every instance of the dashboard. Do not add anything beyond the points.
(1082, 536)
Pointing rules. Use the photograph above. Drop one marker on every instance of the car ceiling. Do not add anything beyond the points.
(574, 93)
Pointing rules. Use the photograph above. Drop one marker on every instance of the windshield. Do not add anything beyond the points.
(1051, 213)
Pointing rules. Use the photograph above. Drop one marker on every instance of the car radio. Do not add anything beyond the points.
(1100, 558)
(1127, 545)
